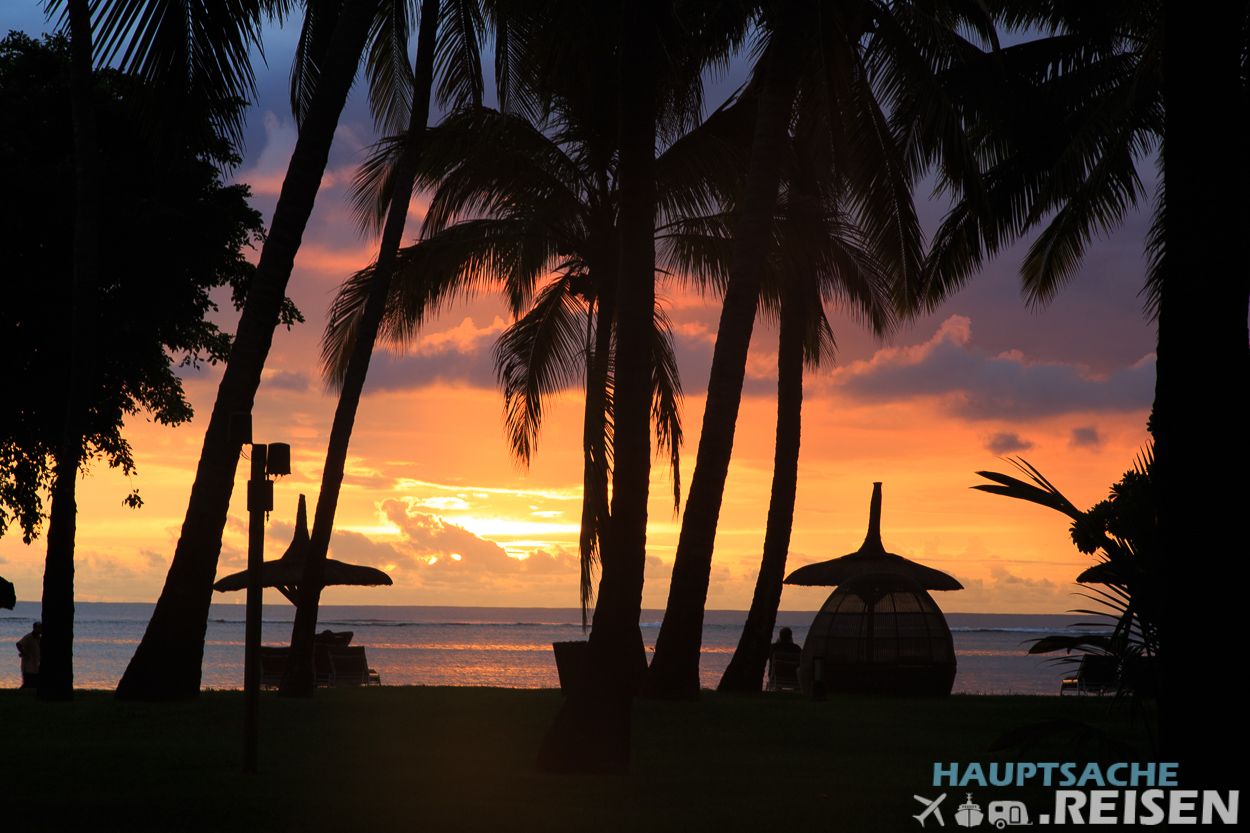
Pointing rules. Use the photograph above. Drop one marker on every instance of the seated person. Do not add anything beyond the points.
(783, 661)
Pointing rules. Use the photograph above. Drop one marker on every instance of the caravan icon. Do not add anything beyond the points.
(1004, 813)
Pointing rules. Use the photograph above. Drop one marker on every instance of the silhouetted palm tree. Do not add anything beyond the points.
(1090, 101)
(851, 62)
(56, 679)
(462, 23)
(512, 203)
(1204, 292)
(820, 255)
(332, 41)
(172, 49)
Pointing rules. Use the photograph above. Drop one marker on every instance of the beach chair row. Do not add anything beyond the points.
(333, 666)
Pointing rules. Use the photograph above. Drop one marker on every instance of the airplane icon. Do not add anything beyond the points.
(930, 808)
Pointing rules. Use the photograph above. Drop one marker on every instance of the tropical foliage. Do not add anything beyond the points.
(525, 211)
(197, 229)
(1121, 533)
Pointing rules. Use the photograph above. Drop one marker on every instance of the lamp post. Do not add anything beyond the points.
(268, 460)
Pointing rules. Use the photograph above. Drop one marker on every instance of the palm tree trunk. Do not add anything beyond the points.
(595, 515)
(746, 669)
(592, 731)
(56, 669)
(299, 680)
(675, 668)
(1198, 419)
(615, 635)
(167, 662)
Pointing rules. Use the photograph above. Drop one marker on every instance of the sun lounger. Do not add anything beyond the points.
(1096, 674)
(272, 665)
(350, 667)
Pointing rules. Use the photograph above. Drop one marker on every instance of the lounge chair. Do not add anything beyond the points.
(783, 671)
(1096, 674)
(272, 665)
(323, 668)
(350, 667)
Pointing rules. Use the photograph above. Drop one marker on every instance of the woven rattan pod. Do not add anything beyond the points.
(880, 632)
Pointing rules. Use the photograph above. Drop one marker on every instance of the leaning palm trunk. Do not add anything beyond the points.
(299, 679)
(675, 668)
(167, 663)
(56, 672)
(746, 669)
(1199, 425)
(591, 733)
(595, 513)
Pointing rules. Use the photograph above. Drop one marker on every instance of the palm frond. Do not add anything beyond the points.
(666, 398)
(196, 51)
(374, 183)
(458, 55)
(538, 356)
(316, 30)
(1040, 491)
(465, 259)
(388, 69)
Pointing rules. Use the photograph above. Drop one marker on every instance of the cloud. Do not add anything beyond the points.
(292, 380)
(443, 550)
(1085, 436)
(355, 548)
(465, 337)
(460, 355)
(266, 175)
(1007, 442)
(979, 386)
(1007, 591)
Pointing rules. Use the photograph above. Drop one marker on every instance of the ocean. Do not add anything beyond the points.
(501, 646)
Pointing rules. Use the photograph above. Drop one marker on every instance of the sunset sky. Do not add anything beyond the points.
(433, 497)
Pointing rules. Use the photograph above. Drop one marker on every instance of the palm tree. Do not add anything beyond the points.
(460, 37)
(849, 61)
(167, 662)
(1093, 99)
(1204, 292)
(187, 54)
(56, 679)
(512, 203)
(820, 255)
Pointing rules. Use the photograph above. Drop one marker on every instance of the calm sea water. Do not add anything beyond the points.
(495, 646)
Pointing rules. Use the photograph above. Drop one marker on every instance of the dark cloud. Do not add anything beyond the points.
(458, 355)
(981, 386)
(1007, 442)
(389, 372)
(1085, 436)
(292, 380)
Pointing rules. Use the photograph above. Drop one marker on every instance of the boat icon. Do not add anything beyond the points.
(969, 814)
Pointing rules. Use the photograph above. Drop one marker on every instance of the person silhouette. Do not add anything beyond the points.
(785, 643)
(28, 650)
(783, 661)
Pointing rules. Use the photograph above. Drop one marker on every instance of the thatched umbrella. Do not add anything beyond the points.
(287, 572)
(871, 559)
(8, 596)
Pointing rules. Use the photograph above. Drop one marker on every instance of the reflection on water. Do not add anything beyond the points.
(501, 646)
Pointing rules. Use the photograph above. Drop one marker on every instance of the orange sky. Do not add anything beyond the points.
(433, 497)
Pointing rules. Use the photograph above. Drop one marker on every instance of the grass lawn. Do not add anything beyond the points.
(450, 759)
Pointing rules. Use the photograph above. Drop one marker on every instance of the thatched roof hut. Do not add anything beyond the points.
(880, 631)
